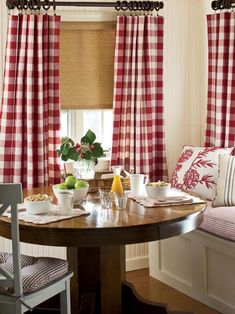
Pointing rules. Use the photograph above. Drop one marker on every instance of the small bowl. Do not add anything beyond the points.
(36, 206)
(156, 192)
(79, 194)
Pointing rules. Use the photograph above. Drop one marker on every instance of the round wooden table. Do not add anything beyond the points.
(96, 249)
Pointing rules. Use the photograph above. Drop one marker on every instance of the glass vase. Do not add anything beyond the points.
(84, 169)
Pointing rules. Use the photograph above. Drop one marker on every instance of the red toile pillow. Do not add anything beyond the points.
(197, 170)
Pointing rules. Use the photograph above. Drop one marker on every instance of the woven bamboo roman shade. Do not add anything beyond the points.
(86, 65)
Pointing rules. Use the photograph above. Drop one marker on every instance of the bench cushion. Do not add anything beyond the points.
(36, 272)
(219, 221)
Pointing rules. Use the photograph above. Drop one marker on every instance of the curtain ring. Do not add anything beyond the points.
(118, 6)
(46, 6)
(144, 6)
(214, 5)
(124, 5)
(19, 5)
(135, 6)
(33, 6)
(25, 5)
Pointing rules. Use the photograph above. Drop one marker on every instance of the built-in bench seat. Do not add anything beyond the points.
(201, 263)
(219, 221)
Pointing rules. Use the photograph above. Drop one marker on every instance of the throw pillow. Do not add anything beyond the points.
(225, 193)
(197, 170)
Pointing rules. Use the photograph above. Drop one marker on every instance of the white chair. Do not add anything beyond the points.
(27, 281)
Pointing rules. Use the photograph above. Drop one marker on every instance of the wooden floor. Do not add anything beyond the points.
(154, 290)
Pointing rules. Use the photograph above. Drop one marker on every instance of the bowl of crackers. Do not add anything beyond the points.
(37, 204)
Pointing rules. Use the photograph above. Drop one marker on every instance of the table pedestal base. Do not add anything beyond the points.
(133, 303)
(98, 285)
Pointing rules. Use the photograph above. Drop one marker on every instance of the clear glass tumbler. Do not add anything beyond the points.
(120, 200)
(106, 198)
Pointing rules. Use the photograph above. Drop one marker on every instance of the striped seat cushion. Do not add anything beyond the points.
(36, 272)
(219, 221)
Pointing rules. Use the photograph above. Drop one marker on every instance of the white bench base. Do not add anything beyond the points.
(198, 264)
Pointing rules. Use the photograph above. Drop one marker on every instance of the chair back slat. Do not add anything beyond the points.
(11, 195)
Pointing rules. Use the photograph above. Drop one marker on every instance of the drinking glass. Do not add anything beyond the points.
(65, 201)
(120, 200)
(106, 198)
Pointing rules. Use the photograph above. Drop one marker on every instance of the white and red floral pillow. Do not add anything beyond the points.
(197, 170)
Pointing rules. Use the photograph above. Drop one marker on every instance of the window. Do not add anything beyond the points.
(64, 125)
(75, 123)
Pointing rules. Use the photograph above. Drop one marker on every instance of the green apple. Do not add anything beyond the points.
(62, 186)
(80, 184)
(70, 182)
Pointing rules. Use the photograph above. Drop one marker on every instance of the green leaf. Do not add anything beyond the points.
(85, 139)
(64, 150)
(87, 155)
(71, 142)
(91, 136)
(73, 154)
(64, 158)
(98, 150)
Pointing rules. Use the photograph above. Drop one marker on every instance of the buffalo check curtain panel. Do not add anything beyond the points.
(138, 132)
(220, 129)
(30, 109)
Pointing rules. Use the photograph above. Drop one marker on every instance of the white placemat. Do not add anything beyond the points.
(184, 198)
(52, 216)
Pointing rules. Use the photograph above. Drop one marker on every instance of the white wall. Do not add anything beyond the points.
(185, 74)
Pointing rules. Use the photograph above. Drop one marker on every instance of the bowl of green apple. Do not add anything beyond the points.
(78, 186)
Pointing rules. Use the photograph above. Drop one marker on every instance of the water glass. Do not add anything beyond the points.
(120, 200)
(106, 198)
(65, 201)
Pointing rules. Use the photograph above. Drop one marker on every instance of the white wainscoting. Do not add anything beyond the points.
(198, 264)
(136, 254)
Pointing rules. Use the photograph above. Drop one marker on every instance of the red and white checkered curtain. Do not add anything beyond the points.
(138, 132)
(220, 130)
(30, 110)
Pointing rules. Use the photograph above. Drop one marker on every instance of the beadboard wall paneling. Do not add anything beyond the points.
(184, 75)
(136, 255)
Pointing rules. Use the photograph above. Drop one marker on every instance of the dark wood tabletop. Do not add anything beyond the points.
(96, 245)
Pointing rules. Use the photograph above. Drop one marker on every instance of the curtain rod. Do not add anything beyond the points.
(223, 4)
(118, 5)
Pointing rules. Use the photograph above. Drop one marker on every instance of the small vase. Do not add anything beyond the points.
(84, 169)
